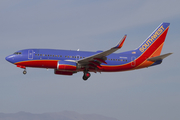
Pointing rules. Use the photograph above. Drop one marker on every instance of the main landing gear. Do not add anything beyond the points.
(86, 75)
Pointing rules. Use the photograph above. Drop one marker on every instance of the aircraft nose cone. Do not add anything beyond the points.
(7, 58)
(10, 58)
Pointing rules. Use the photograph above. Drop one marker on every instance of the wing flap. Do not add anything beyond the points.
(100, 60)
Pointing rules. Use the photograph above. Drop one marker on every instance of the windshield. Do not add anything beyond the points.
(17, 53)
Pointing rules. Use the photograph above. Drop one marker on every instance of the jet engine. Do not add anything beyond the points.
(66, 68)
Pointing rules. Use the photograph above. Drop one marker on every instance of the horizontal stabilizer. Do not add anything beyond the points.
(153, 59)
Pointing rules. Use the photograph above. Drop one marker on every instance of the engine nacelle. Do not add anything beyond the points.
(67, 66)
(63, 72)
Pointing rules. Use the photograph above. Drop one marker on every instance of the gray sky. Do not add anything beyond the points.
(92, 25)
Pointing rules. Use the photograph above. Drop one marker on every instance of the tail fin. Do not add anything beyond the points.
(152, 46)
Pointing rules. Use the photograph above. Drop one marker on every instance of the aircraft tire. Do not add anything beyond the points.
(24, 72)
(85, 78)
(86, 75)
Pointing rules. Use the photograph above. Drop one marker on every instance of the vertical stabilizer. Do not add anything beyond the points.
(154, 43)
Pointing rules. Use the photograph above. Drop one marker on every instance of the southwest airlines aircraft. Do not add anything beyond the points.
(68, 62)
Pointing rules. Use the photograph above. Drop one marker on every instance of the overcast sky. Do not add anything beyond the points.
(150, 93)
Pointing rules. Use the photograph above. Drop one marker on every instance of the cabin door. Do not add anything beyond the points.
(77, 57)
(133, 61)
(30, 54)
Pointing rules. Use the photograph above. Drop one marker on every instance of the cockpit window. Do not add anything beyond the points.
(17, 53)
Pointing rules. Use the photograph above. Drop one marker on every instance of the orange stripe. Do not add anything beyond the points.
(148, 63)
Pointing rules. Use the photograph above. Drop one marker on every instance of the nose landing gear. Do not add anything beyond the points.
(23, 67)
(24, 72)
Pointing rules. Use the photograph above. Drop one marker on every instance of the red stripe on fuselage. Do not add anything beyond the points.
(39, 63)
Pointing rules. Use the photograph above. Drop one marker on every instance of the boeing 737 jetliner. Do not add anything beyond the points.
(68, 62)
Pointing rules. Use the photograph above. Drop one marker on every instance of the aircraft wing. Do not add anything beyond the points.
(97, 59)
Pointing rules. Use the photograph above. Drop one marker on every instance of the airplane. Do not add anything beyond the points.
(68, 62)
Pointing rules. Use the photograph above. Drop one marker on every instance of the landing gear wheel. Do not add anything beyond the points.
(85, 78)
(86, 75)
(24, 72)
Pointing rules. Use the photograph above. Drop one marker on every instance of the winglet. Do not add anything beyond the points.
(120, 44)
